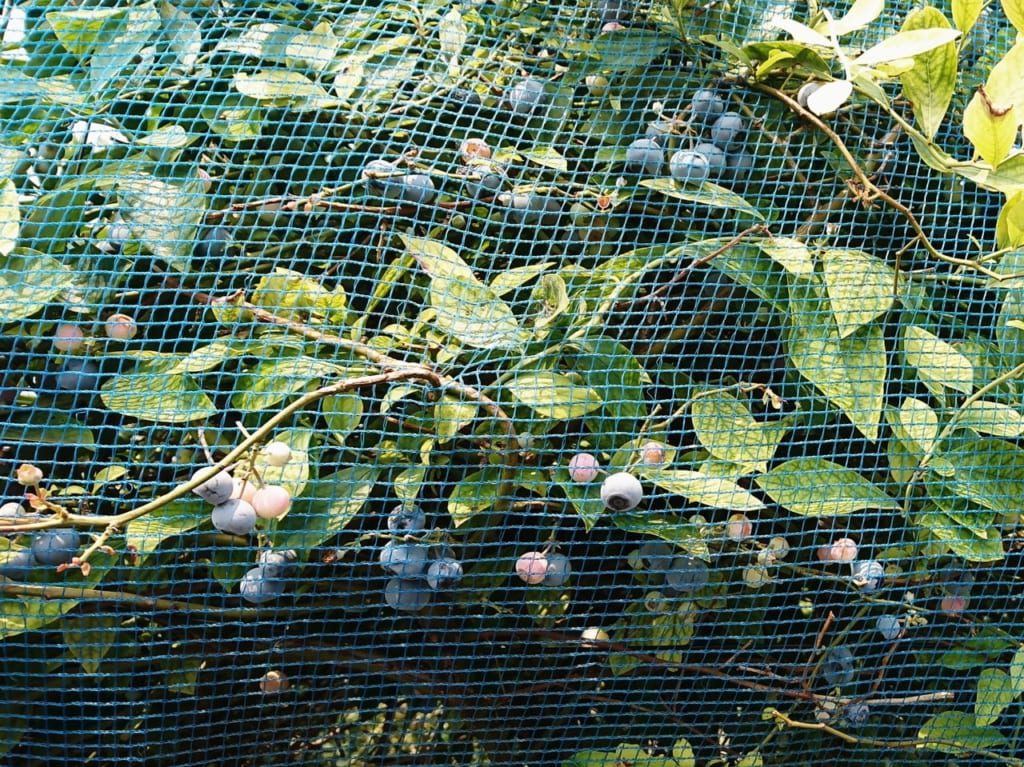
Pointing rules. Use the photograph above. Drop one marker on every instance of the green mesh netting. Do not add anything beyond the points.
(511, 383)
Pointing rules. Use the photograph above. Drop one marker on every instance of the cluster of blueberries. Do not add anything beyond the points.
(49, 548)
(682, 573)
(418, 569)
(717, 153)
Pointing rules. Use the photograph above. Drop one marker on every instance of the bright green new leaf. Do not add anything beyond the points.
(937, 362)
(905, 45)
(965, 13)
(1014, 10)
(930, 82)
(861, 13)
(859, 287)
(554, 395)
(697, 487)
(154, 395)
(991, 128)
(814, 487)
(725, 426)
(995, 693)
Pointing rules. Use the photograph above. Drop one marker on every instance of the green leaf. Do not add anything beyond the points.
(10, 217)
(510, 279)
(546, 156)
(407, 484)
(992, 418)
(860, 14)
(29, 280)
(314, 49)
(289, 294)
(163, 217)
(958, 539)
(937, 362)
(1004, 85)
(849, 371)
(814, 487)
(342, 412)
(283, 88)
(82, 30)
(988, 471)
(151, 394)
(965, 13)
(452, 33)
(90, 637)
(697, 487)
(919, 423)
(969, 515)
(957, 732)
(709, 194)
(792, 255)
(585, 497)
(273, 381)
(905, 45)
(451, 415)
(45, 428)
(860, 287)
(181, 35)
(1017, 672)
(466, 308)
(477, 492)
(294, 475)
(1014, 10)
(319, 515)
(991, 127)
(725, 426)
(146, 533)
(114, 55)
(553, 395)
(995, 693)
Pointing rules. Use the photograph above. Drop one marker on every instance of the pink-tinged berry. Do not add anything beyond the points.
(652, 454)
(739, 527)
(842, 550)
(612, 26)
(121, 327)
(274, 682)
(532, 567)
(271, 501)
(244, 489)
(473, 149)
(68, 338)
(953, 606)
(28, 475)
(277, 453)
(583, 468)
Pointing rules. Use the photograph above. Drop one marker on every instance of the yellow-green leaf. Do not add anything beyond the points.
(965, 13)
(1014, 10)
(792, 255)
(554, 395)
(697, 487)
(861, 13)
(814, 487)
(919, 423)
(937, 362)
(10, 217)
(995, 693)
(930, 82)
(991, 127)
(859, 287)
(905, 45)
(957, 732)
(725, 426)
(993, 418)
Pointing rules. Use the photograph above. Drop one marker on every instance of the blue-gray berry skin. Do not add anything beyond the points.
(78, 375)
(727, 131)
(739, 165)
(838, 666)
(645, 156)
(408, 595)
(559, 570)
(278, 563)
(18, 564)
(706, 106)
(256, 587)
(689, 167)
(409, 521)
(217, 489)
(868, 575)
(960, 586)
(526, 96)
(656, 556)
(56, 547)
(417, 189)
(406, 560)
(687, 574)
(211, 245)
(889, 626)
(718, 159)
(234, 517)
(444, 573)
(857, 714)
(659, 130)
(486, 180)
(383, 178)
(621, 491)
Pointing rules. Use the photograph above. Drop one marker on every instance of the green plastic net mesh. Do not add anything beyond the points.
(597, 384)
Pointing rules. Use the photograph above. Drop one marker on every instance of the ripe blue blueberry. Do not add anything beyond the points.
(56, 547)
(889, 626)
(279, 563)
(621, 491)
(217, 489)
(706, 106)
(491, 180)
(645, 156)
(659, 131)
(868, 575)
(656, 556)
(727, 131)
(838, 666)
(417, 189)
(687, 573)
(739, 165)
(212, 244)
(405, 560)
(960, 586)
(718, 159)
(689, 167)
(406, 520)
(78, 375)
(444, 573)
(409, 595)
(18, 564)
(559, 570)
(525, 96)
(857, 714)
(384, 178)
(257, 587)
(234, 517)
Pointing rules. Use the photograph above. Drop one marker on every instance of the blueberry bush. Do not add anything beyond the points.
(511, 382)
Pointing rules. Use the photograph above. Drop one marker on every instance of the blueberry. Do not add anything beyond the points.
(868, 575)
(614, 10)
(444, 573)
(217, 489)
(417, 189)
(18, 564)
(234, 517)
(211, 245)
(645, 156)
(278, 564)
(559, 570)
(838, 666)
(687, 573)
(525, 96)
(857, 713)
(718, 159)
(621, 491)
(656, 556)
(407, 594)
(805, 92)
(490, 181)
(78, 375)
(706, 105)
(688, 167)
(960, 586)
(583, 468)
(406, 560)
(257, 587)
(56, 547)
(403, 520)
(739, 165)
(727, 131)
(660, 131)
(889, 626)
(384, 178)
(530, 208)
